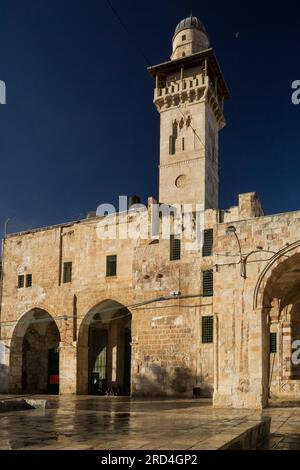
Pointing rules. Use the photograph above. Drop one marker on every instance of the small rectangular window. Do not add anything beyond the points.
(208, 283)
(273, 343)
(28, 280)
(20, 281)
(111, 265)
(171, 145)
(183, 143)
(207, 329)
(175, 248)
(208, 239)
(67, 277)
(183, 37)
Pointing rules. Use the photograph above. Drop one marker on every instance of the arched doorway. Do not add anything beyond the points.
(279, 294)
(104, 350)
(34, 354)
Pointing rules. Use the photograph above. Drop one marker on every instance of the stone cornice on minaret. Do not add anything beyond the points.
(208, 85)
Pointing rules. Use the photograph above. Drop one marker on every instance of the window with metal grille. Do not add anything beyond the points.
(175, 248)
(273, 343)
(28, 280)
(207, 329)
(208, 283)
(111, 265)
(208, 240)
(20, 281)
(67, 277)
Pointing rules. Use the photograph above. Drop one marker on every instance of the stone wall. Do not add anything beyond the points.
(168, 357)
(166, 338)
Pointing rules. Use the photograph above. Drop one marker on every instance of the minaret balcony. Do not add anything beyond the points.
(188, 90)
(180, 86)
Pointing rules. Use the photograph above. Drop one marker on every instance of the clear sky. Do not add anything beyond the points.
(79, 127)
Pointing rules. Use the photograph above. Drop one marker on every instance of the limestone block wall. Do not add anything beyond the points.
(166, 338)
(242, 305)
(189, 128)
(169, 357)
(42, 253)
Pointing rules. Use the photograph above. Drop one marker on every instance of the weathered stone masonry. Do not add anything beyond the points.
(137, 325)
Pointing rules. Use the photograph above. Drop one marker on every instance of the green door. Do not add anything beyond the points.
(53, 371)
(97, 361)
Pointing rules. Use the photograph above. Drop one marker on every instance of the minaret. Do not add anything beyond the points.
(189, 95)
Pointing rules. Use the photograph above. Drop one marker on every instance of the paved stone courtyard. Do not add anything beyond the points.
(122, 423)
(285, 427)
(113, 423)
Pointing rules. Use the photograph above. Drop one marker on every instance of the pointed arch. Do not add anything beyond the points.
(34, 353)
(104, 349)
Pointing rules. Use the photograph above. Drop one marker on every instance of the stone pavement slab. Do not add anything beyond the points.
(113, 423)
(285, 426)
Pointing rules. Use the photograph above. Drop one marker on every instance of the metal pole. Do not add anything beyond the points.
(242, 259)
(5, 227)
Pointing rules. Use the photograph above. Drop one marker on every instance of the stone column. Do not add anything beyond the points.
(67, 368)
(4, 367)
(240, 378)
(15, 365)
(286, 350)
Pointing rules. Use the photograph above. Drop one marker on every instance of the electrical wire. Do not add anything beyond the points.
(137, 306)
(137, 43)
(132, 37)
(194, 130)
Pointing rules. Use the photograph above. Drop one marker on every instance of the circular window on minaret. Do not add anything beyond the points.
(180, 182)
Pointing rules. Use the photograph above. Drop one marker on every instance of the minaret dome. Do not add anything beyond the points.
(190, 37)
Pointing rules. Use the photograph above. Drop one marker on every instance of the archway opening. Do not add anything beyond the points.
(281, 332)
(104, 350)
(34, 354)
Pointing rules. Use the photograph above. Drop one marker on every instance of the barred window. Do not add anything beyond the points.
(20, 281)
(208, 240)
(28, 280)
(111, 265)
(67, 277)
(208, 283)
(273, 343)
(175, 248)
(207, 329)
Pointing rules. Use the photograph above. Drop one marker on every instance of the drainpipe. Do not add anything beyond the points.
(75, 317)
(60, 254)
(1, 283)
(2, 270)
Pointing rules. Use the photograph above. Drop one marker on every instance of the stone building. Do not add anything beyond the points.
(83, 313)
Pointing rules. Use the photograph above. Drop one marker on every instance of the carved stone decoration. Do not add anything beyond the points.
(181, 181)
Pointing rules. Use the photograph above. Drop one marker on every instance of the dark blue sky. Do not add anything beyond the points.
(79, 127)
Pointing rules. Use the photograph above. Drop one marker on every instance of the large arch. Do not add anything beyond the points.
(104, 350)
(34, 354)
(277, 297)
(275, 261)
